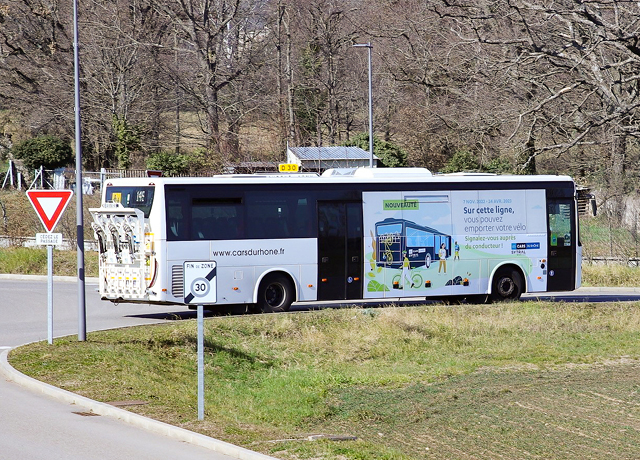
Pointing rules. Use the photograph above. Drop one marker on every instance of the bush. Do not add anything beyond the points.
(180, 164)
(465, 161)
(48, 151)
(391, 155)
(462, 161)
(171, 164)
(498, 166)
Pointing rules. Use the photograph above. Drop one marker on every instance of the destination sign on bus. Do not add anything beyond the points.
(288, 167)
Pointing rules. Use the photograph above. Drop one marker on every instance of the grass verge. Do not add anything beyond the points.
(521, 380)
(610, 275)
(33, 261)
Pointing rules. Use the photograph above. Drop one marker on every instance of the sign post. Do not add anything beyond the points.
(200, 289)
(49, 205)
(50, 294)
(200, 362)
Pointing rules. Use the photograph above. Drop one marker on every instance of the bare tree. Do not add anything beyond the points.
(324, 83)
(122, 80)
(431, 85)
(36, 73)
(223, 40)
(577, 64)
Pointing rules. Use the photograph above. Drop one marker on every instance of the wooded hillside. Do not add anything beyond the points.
(526, 87)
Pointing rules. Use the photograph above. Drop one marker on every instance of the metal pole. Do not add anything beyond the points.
(200, 362)
(370, 111)
(82, 313)
(50, 293)
(369, 47)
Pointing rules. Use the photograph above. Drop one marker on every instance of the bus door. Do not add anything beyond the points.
(561, 272)
(339, 250)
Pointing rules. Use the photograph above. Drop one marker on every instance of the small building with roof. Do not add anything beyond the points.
(319, 159)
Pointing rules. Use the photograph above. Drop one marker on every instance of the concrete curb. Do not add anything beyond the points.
(139, 421)
(587, 289)
(603, 288)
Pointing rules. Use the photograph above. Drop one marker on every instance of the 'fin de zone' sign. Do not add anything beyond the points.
(200, 282)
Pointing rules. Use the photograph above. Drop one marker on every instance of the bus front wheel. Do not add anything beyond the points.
(275, 294)
(507, 285)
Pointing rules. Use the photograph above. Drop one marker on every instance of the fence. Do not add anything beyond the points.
(628, 261)
(65, 178)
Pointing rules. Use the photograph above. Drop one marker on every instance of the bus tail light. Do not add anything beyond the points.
(324, 280)
(155, 274)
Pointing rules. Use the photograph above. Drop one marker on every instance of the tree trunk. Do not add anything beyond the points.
(615, 180)
(290, 90)
(213, 120)
(526, 161)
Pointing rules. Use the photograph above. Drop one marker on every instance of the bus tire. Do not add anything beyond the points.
(275, 294)
(507, 285)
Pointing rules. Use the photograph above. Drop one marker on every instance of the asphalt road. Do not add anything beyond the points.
(34, 427)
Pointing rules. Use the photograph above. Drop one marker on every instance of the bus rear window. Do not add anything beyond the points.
(131, 197)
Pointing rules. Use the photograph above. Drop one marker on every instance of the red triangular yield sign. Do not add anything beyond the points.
(49, 205)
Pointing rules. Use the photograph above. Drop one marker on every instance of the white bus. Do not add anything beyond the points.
(270, 240)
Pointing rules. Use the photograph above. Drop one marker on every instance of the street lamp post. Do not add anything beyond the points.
(369, 47)
(82, 312)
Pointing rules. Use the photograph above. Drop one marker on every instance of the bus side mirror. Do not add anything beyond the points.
(594, 207)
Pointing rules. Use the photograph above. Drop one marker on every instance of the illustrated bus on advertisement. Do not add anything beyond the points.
(395, 237)
(270, 240)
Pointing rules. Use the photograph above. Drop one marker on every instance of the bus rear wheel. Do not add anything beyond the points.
(275, 294)
(507, 285)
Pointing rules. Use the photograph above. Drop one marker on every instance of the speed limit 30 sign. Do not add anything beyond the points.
(200, 282)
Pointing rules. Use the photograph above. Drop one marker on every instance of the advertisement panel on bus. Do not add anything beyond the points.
(449, 243)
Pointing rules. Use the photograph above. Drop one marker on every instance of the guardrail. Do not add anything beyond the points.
(628, 261)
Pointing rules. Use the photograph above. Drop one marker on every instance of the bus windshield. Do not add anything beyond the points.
(131, 197)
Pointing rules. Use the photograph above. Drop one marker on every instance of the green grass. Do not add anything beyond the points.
(610, 275)
(33, 261)
(504, 381)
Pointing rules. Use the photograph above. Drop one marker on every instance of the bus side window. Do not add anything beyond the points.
(174, 226)
(304, 218)
(177, 208)
(175, 223)
(202, 228)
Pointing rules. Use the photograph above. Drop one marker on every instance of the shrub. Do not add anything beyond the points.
(171, 164)
(391, 155)
(462, 161)
(48, 151)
